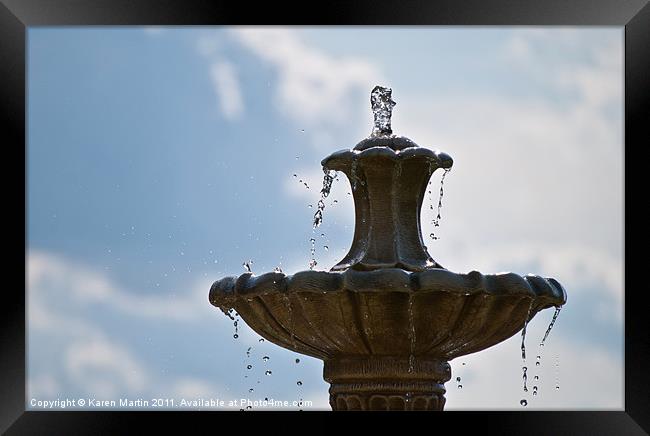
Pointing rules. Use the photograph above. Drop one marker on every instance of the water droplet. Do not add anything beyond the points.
(265, 358)
(250, 390)
(310, 206)
(463, 364)
(295, 175)
(326, 247)
(268, 372)
(457, 379)
(249, 367)
(297, 360)
(557, 388)
(299, 383)
(537, 364)
(460, 386)
(261, 340)
(523, 403)
(536, 377)
(235, 336)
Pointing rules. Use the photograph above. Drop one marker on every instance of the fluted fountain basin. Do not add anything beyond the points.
(386, 336)
(390, 312)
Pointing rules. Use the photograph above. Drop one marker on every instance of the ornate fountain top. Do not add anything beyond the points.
(382, 108)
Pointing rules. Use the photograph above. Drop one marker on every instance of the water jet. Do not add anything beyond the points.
(387, 319)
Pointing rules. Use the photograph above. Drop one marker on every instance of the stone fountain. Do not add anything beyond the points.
(387, 319)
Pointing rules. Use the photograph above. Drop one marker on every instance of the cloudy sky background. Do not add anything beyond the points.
(161, 159)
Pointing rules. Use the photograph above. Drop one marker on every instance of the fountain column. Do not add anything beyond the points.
(386, 383)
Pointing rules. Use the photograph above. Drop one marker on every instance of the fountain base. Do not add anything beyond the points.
(386, 383)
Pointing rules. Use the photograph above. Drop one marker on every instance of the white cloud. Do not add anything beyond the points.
(101, 368)
(226, 85)
(90, 359)
(314, 89)
(43, 385)
(208, 46)
(524, 170)
(589, 379)
(593, 69)
(518, 48)
(54, 277)
(192, 388)
(154, 30)
(224, 76)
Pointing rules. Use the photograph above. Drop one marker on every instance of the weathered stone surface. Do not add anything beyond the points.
(389, 178)
(332, 314)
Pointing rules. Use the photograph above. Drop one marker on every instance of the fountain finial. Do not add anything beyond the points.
(382, 108)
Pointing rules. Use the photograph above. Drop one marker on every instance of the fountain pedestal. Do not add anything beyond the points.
(386, 383)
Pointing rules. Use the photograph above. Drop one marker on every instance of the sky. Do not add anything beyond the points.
(160, 159)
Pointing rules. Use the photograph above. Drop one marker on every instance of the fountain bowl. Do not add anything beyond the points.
(385, 332)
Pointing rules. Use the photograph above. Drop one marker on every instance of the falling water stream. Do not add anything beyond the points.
(524, 368)
(328, 177)
(538, 358)
(411, 333)
(436, 220)
(550, 326)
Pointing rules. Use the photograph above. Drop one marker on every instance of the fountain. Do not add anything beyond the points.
(387, 319)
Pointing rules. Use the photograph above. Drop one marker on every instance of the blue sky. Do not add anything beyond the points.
(161, 159)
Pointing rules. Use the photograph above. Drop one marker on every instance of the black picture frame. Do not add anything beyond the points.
(634, 15)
